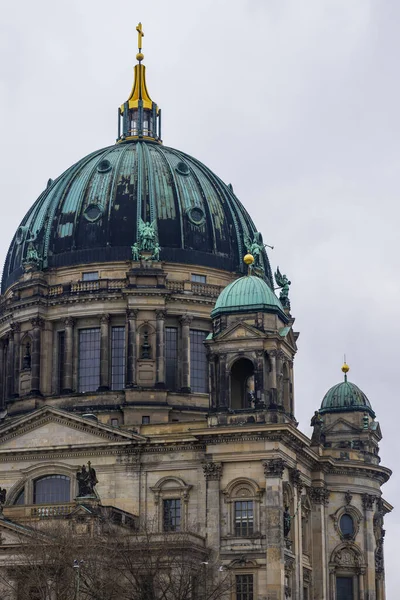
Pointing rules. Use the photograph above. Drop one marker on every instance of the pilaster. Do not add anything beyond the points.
(273, 470)
(185, 334)
(104, 352)
(213, 474)
(69, 346)
(131, 316)
(160, 349)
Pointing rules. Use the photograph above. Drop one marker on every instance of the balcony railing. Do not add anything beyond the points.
(177, 287)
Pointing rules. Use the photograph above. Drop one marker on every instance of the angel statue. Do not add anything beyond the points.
(87, 480)
(255, 247)
(147, 236)
(283, 282)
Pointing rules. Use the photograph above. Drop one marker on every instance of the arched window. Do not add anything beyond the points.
(51, 489)
(243, 497)
(242, 384)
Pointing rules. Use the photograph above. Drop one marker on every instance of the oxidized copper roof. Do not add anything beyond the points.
(91, 212)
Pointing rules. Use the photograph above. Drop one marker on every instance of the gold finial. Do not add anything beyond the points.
(345, 368)
(139, 29)
(248, 260)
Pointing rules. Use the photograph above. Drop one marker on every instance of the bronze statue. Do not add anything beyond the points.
(283, 283)
(87, 480)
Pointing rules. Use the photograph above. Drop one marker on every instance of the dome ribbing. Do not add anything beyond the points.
(247, 294)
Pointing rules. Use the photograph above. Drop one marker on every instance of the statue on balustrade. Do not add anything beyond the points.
(87, 480)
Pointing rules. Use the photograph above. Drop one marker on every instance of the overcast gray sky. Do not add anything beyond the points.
(294, 102)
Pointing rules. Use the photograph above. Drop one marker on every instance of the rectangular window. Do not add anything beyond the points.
(117, 358)
(114, 422)
(344, 588)
(244, 518)
(145, 420)
(171, 357)
(172, 515)
(198, 362)
(61, 360)
(244, 587)
(199, 278)
(90, 276)
(89, 359)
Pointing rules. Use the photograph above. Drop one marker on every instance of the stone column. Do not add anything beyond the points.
(291, 387)
(368, 501)
(37, 324)
(160, 349)
(212, 375)
(361, 575)
(104, 353)
(185, 333)
(213, 474)
(10, 365)
(16, 360)
(222, 382)
(319, 498)
(2, 382)
(295, 478)
(69, 347)
(272, 357)
(259, 378)
(131, 316)
(332, 584)
(273, 470)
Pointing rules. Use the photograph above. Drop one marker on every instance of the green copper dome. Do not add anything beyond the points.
(92, 213)
(248, 294)
(346, 396)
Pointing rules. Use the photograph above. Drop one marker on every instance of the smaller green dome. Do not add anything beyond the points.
(248, 294)
(346, 396)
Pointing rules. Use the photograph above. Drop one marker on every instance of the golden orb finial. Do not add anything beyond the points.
(248, 259)
(345, 368)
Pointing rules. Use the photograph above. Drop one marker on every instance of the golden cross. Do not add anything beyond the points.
(140, 35)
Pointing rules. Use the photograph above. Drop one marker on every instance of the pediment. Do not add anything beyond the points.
(240, 331)
(289, 336)
(342, 426)
(11, 533)
(48, 427)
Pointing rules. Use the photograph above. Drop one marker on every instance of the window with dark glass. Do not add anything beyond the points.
(52, 488)
(198, 362)
(90, 276)
(145, 420)
(61, 359)
(171, 357)
(114, 422)
(199, 278)
(347, 525)
(244, 518)
(20, 498)
(117, 358)
(344, 588)
(172, 515)
(89, 359)
(244, 587)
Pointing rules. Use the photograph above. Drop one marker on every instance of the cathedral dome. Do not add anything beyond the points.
(92, 212)
(247, 294)
(345, 396)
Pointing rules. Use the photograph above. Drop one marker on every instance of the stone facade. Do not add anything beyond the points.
(237, 471)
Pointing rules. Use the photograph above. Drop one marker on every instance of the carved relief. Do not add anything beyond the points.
(212, 471)
(319, 495)
(368, 501)
(274, 467)
(295, 477)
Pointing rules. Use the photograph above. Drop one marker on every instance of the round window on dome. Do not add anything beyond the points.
(93, 212)
(104, 166)
(182, 168)
(346, 525)
(21, 233)
(196, 215)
